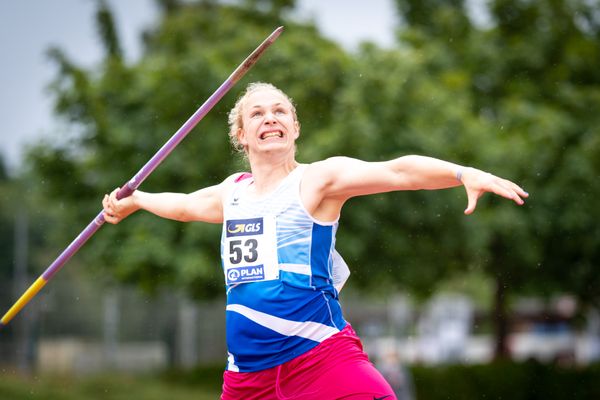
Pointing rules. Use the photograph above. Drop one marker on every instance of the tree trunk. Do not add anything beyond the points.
(501, 322)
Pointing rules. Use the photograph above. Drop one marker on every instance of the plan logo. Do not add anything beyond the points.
(246, 274)
(233, 275)
(244, 227)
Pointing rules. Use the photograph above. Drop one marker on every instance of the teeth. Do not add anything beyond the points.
(271, 134)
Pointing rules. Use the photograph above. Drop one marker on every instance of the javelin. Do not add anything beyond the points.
(142, 174)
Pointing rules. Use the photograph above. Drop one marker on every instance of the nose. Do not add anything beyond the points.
(270, 118)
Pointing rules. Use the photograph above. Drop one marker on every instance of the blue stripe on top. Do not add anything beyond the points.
(271, 322)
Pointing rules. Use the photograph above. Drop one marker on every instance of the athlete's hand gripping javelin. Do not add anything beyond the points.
(116, 210)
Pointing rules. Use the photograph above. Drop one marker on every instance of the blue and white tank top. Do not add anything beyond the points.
(279, 273)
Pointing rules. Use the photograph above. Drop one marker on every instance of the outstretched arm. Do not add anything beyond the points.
(203, 205)
(329, 183)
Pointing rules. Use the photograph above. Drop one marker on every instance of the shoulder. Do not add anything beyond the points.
(235, 178)
(329, 165)
(330, 169)
(332, 161)
(318, 188)
(324, 175)
(228, 184)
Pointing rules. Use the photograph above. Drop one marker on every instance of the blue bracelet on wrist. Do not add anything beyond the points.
(459, 174)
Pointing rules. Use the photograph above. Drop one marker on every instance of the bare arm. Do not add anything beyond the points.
(203, 205)
(329, 183)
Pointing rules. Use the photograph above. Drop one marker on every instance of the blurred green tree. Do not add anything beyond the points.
(532, 88)
(121, 114)
(7, 212)
(516, 97)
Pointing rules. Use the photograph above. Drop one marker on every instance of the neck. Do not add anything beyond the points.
(268, 173)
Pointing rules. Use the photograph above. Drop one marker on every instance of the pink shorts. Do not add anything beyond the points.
(337, 368)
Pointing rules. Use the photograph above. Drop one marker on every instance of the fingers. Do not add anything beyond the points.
(108, 211)
(511, 191)
(472, 197)
(494, 184)
(113, 198)
(506, 193)
(111, 219)
(518, 189)
(109, 203)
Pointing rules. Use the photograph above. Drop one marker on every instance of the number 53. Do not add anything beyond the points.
(246, 250)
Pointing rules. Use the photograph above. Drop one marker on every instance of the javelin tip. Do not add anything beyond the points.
(276, 33)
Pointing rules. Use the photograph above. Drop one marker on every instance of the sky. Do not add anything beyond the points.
(29, 27)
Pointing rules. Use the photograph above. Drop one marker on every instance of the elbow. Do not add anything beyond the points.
(183, 216)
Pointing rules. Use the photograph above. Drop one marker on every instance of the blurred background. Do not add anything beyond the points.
(504, 303)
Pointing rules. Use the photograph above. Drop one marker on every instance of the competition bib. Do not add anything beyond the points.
(250, 250)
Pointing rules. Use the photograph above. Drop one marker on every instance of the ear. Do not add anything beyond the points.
(297, 130)
(241, 137)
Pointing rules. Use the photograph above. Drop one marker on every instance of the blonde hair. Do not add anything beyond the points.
(235, 115)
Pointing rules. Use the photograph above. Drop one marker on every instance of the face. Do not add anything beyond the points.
(268, 123)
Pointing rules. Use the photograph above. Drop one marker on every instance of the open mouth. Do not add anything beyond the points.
(270, 134)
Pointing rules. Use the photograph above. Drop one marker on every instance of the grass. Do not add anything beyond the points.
(103, 387)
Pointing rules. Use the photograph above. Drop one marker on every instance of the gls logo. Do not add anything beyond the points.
(244, 227)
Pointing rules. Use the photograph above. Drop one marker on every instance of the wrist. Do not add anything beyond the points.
(135, 199)
(461, 171)
(459, 174)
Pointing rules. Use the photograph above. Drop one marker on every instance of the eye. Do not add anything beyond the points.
(280, 111)
(255, 114)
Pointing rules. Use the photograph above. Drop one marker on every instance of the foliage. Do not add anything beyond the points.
(529, 380)
(506, 380)
(104, 387)
(125, 112)
(6, 221)
(7, 235)
(531, 85)
(516, 97)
